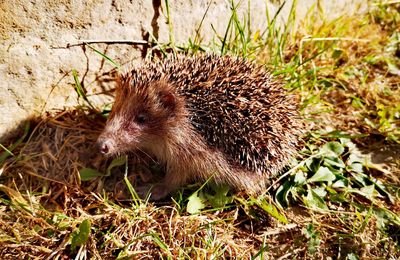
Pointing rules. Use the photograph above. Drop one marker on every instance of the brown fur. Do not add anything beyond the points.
(205, 116)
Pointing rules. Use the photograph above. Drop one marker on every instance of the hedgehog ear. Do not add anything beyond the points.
(168, 99)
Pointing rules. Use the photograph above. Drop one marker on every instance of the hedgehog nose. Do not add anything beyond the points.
(103, 146)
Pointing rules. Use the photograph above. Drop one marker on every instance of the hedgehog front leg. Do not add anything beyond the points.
(156, 191)
(174, 178)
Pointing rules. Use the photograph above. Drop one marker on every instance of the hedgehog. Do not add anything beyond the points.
(204, 117)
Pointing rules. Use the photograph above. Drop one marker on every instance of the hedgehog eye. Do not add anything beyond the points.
(142, 118)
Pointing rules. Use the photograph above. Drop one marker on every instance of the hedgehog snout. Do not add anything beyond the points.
(104, 145)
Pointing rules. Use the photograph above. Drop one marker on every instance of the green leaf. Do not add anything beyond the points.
(313, 164)
(63, 225)
(355, 167)
(323, 174)
(342, 183)
(352, 256)
(333, 148)
(330, 190)
(221, 198)
(381, 188)
(314, 201)
(366, 181)
(339, 197)
(334, 161)
(355, 158)
(368, 191)
(385, 217)
(313, 238)
(320, 191)
(271, 210)
(118, 161)
(344, 141)
(282, 192)
(88, 174)
(195, 204)
(80, 236)
(299, 178)
(361, 178)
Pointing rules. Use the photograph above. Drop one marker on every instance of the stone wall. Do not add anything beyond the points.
(39, 44)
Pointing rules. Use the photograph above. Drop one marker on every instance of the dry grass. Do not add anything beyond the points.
(44, 201)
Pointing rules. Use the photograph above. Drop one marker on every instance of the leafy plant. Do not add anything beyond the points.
(332, 172)
(313, 238)
(80, 236)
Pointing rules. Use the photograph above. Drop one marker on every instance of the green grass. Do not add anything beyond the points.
(336, 199)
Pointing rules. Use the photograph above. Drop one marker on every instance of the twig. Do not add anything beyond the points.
(84, 42)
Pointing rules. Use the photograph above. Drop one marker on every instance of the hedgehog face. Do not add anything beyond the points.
(140, 118)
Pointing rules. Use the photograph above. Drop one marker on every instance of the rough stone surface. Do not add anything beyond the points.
(36, 65)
